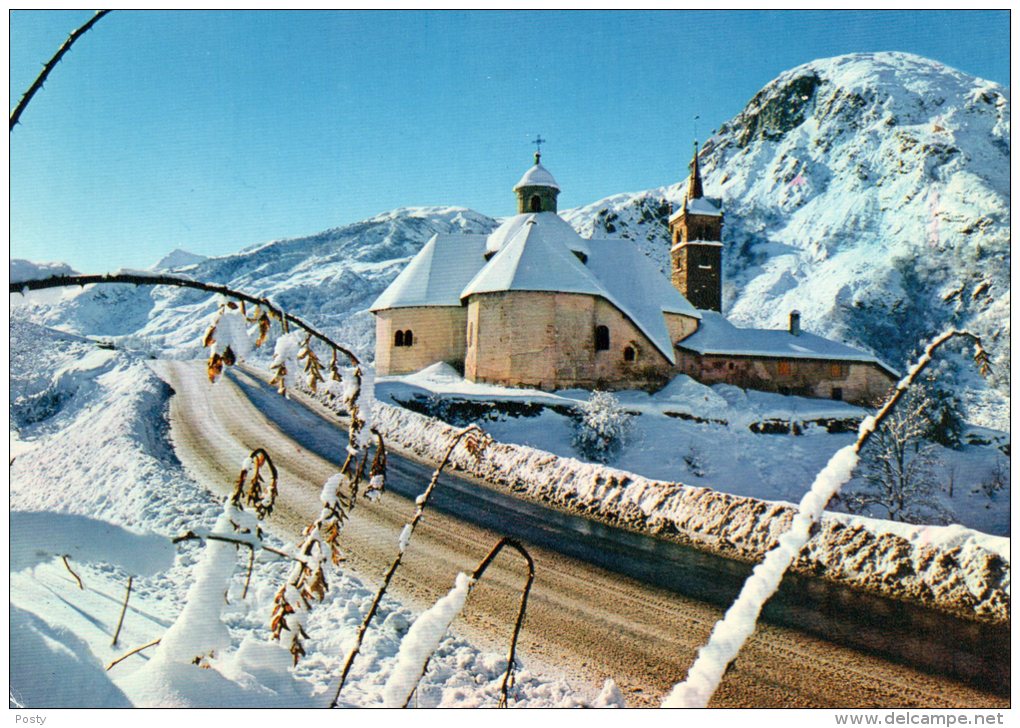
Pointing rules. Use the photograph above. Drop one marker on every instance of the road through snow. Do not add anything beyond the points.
(585, 617)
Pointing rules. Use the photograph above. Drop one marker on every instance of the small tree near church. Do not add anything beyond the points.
(898, 471)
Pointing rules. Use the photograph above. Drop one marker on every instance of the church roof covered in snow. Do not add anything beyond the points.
(437, 274)
(718, 336)
(704, 206)
(540, 257)
(711, 206)
(552, 224)
(537, 176)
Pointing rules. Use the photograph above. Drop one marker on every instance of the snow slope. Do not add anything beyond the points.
(94, 469)
(742, 442)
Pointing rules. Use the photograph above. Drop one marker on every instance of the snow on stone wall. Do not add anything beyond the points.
(952, 568)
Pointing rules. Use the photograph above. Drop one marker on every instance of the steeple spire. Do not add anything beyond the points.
(694, 190)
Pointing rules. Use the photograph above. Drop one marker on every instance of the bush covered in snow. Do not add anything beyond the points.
(898, 474)
(602, 429)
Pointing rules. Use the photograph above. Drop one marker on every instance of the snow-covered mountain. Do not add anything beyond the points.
(868, 191)
(178, 258)
(329, 278)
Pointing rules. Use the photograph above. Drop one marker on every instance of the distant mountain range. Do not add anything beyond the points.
(868, 191)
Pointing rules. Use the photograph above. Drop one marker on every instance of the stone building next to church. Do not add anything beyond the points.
(533, 304)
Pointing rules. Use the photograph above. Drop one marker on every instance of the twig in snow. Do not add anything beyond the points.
(247, 579)
(475, 442)
(77, 578)
(135, 651)
(512, 655)
(41, 78)
(123, 611)
(192, 536)
(511, 660)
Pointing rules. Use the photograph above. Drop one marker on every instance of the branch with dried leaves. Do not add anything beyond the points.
(475, 442)
(50, 65)
(141, 279)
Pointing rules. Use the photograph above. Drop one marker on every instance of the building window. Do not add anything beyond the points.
(837, 393)
(398, 338)
(601, 338)
(536, 203)
(629, 353)
(730, 365)
(408, 338)
(836, 371)
(785, 368)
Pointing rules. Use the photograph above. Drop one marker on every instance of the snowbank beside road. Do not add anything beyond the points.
(949, 568)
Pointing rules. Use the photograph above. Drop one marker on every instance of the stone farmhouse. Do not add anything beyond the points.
(533, 304)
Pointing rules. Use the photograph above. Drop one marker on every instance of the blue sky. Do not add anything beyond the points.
(211, 131)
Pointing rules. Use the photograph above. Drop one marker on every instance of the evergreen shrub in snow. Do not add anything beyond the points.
(603, 428)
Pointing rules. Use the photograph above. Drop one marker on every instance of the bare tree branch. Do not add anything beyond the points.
(140, 279)
(76, 577)
(41, 78)
(135, 651)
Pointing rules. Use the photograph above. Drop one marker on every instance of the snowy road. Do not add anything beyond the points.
(584, 616)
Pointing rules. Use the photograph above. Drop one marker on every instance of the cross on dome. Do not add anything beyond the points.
(538, 141)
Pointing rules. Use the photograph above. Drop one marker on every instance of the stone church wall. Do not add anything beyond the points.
(437, 335)
(856, 382)
(547, 341)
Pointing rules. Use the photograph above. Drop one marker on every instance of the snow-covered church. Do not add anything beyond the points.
(533, 304)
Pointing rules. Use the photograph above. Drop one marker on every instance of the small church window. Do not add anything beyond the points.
(785, 368)
(536, 203)
(601, 338)
(398, 338)
(408, 338)
(836, 370)
(629, 354)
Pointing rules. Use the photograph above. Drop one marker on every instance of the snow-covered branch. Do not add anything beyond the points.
(141, 278)
(731, 632)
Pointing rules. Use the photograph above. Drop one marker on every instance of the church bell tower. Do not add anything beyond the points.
(696, 248)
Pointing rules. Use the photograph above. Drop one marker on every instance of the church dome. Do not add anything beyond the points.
(537, 190)
(537, 176)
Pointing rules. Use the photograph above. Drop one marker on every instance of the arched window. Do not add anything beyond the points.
(536, 203)
(601, 338)
(629, 353)
(398, 338)
(408, 338)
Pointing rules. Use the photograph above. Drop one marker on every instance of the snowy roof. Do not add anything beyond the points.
(552, 224)
(716, 335)
(539, 257)
(537, 176)
(709, 243)
(436, 275)
(704, 206)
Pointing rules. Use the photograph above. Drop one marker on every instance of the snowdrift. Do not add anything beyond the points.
(950, 568)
